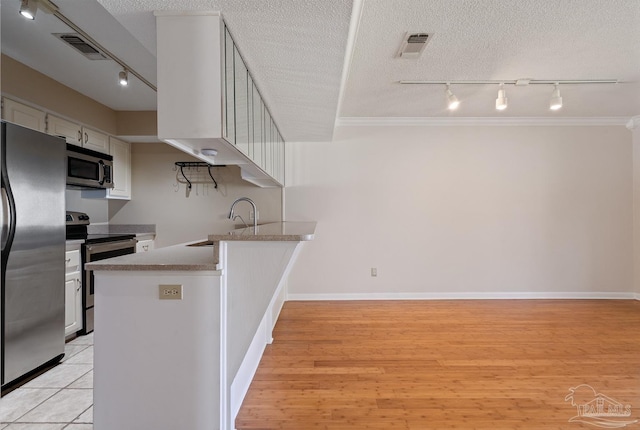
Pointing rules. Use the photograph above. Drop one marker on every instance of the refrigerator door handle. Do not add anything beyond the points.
(5, 218)
(8, 217)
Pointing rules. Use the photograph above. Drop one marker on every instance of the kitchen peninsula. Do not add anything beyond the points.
(180, 330)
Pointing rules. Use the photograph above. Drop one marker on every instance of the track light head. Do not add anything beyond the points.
(556, 99)
(501, 101)
(452, 100)
(123, 78)
(28, 9)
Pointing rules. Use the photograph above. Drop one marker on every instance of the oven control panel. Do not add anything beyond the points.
(77, 218)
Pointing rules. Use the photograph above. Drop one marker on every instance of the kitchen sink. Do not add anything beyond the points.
(203, 243)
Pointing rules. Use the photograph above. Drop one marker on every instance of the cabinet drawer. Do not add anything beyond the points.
(72, 261)
(144, 245)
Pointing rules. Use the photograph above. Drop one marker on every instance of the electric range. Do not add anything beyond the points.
(95, 247)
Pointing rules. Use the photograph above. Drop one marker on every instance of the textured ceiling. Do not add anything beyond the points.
(293, 48)
(296, 49)
(494, 40)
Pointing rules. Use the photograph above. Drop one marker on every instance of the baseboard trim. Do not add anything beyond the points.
(465, 296)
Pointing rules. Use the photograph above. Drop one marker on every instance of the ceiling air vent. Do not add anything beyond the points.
(413, 44)
(77, 42)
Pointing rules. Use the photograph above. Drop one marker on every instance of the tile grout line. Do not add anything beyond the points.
(79, 415)
(57, 391)
(44, 400)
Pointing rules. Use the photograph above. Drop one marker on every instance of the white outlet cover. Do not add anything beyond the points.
(170, 292)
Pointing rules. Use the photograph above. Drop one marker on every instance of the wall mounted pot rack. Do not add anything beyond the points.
(196, 165)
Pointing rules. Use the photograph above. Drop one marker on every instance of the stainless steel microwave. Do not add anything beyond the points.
(88, 169)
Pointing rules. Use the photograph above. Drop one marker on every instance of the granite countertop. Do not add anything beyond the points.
(276, 232)
(176, 257)
(204, 258)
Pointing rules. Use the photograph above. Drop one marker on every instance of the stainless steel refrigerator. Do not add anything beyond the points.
(33, 250)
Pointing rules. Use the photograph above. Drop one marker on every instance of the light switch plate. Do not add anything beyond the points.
(170, 292)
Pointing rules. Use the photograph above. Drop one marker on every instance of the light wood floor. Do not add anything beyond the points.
(444, 364)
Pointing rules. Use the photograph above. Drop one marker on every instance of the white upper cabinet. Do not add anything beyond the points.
(92, 139)
(71, 131)
(189, 80)
(76, 134)
(121, 152)
(23, 115)
(191, 83)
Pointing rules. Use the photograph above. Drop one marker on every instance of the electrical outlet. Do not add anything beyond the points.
(170, 292)
(374, 272)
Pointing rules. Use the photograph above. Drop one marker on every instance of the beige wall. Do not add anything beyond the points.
(159, 199)
(137, 123)
(464, 211)
(32, 87)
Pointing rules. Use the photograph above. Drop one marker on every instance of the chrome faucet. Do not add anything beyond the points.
(253, 206)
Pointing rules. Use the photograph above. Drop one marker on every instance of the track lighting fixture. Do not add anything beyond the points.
(501, 101)
(556, 99)
(555, 102)
(452, 100)
(123, 78)
(28, 8)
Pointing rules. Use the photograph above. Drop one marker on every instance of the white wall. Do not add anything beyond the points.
(157, 198)
(97, 209)
(634, 126)
(464, 211)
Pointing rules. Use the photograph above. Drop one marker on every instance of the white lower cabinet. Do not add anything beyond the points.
(72, 306)
(72, 290)
(144, 245)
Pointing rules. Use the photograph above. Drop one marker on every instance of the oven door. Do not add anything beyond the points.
(97, 252)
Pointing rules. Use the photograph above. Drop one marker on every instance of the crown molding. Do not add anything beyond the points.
(484, 121)
(633, 123)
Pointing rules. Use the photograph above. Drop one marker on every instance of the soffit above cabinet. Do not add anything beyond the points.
(35, 44)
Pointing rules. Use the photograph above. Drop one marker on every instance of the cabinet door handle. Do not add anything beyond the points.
(79, 136)
(79, 285)
(86, 137)
(145, 247)
(67, 261)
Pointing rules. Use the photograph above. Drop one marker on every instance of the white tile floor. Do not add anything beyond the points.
(61, 398)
